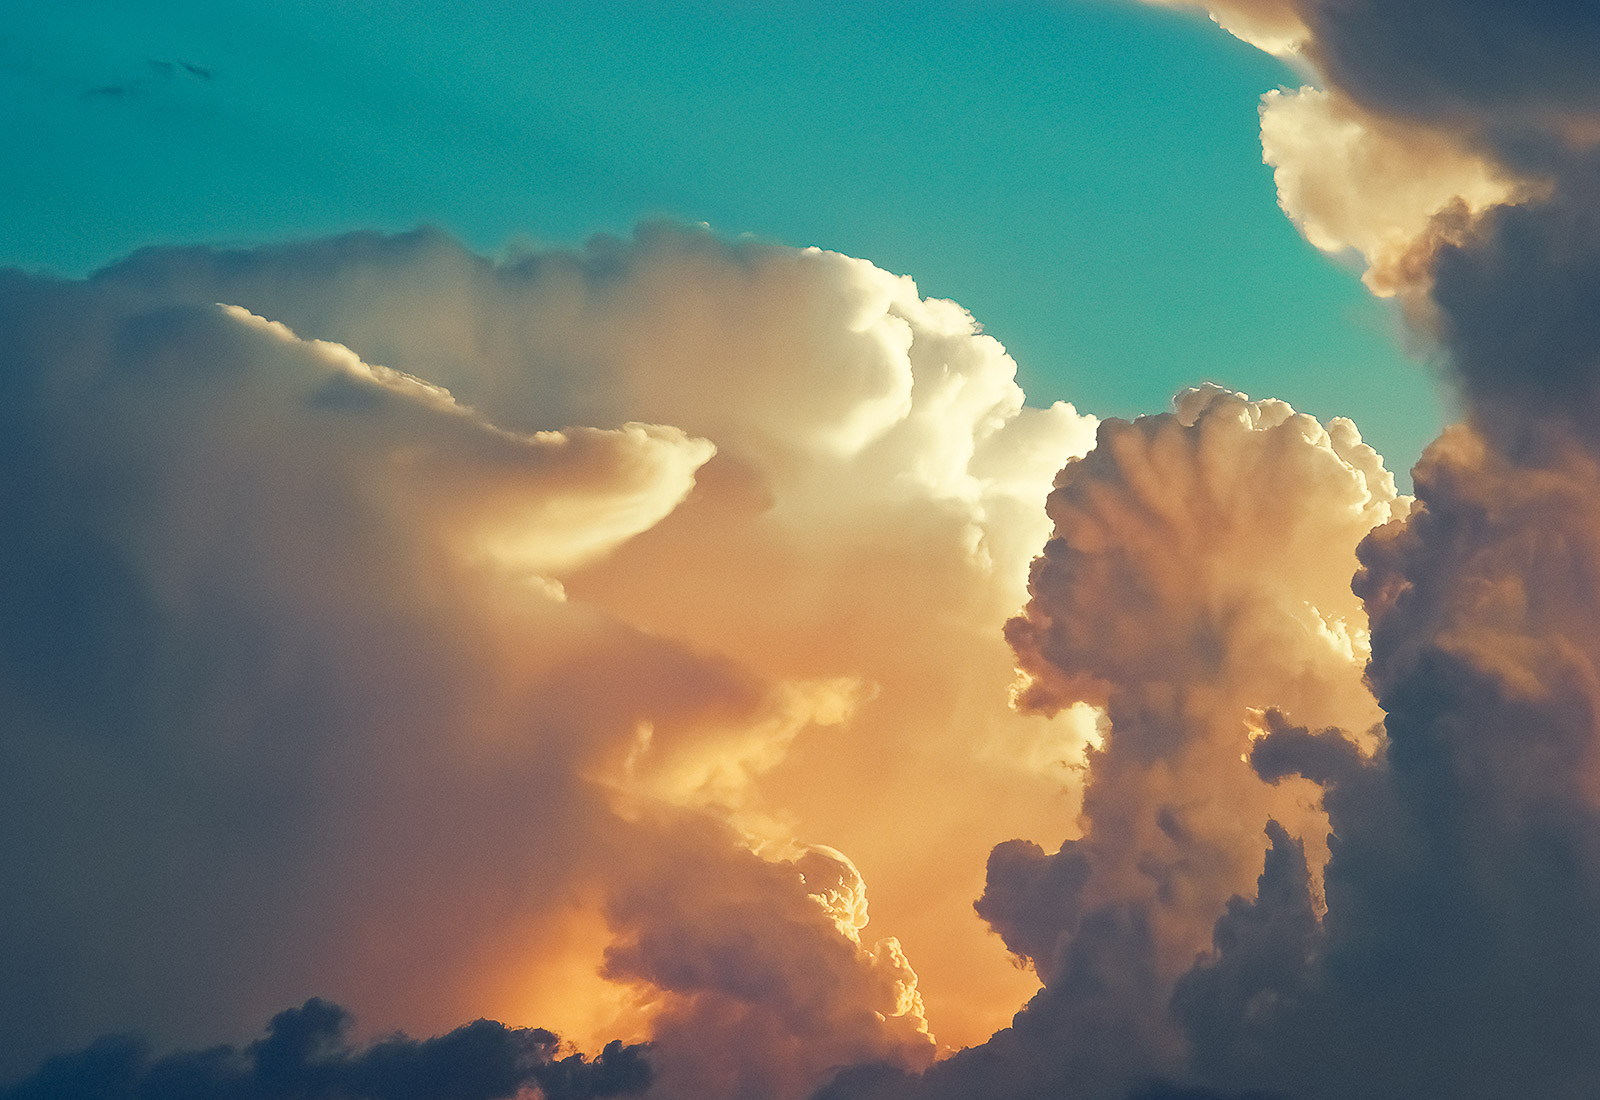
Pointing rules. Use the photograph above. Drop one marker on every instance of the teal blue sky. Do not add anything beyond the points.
(1085, 177)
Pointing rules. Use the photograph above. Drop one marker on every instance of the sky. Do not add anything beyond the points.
(1085, 177)
(901, 552)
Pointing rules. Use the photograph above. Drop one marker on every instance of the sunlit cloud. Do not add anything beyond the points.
(1354, 181)
(1271, 25)
(391, 662)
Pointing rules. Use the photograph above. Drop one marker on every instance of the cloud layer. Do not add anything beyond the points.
(575, 637)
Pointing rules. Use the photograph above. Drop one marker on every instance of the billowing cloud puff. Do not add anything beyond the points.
(1232, 525)
(1455, 149)
(1202, 518)
(755, 970)
(1456, 957)
(1440, 61)
(1199, 570)
(1352, 180)
(1515, 295)
(530, 638)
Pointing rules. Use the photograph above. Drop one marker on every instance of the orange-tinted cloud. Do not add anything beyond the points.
(398, 625)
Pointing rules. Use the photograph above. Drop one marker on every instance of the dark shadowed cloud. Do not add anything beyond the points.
(1497, 63)
(306, 1055)
(1443, 947)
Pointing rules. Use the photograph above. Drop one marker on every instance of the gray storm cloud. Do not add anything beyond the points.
(1462, 889)
(1456, 957)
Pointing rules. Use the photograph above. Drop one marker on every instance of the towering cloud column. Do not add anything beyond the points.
(1463, 896)
(1198, 571)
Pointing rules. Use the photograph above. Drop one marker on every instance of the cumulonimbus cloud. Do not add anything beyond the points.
(568, 639)
(1198, 571)
(1446, 950)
